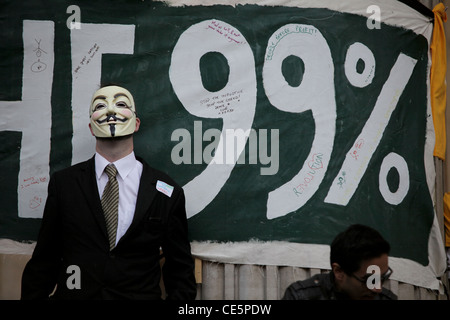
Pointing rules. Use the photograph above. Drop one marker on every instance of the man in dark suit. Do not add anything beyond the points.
(89, 253)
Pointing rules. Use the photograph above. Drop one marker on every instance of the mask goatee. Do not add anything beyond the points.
(112, 129)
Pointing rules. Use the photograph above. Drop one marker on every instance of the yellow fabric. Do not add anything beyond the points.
(437, 80)
(447, 218)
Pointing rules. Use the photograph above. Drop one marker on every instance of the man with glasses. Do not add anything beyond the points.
(359, 266)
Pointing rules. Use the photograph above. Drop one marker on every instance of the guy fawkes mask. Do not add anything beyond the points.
(112, 112)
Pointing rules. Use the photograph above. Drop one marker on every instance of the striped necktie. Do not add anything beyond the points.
(110, 203)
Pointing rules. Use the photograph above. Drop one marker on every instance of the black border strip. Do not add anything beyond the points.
(415, 4)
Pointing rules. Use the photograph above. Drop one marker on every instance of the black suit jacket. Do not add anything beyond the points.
(73, 232)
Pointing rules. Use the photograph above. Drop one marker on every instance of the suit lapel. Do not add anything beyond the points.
(146, 195)
(88, 184)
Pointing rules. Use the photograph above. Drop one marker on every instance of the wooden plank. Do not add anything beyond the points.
(288, 275)
(251, 282)
(198, 271)
(213, 281)
(229, 282)
(406, 291)
(271, 277)
(426, 294)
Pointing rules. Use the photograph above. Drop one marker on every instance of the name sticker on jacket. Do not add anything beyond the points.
(164, 188)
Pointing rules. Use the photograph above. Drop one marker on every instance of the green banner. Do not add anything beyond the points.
(281, 123)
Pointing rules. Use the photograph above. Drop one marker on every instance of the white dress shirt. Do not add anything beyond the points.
(129, 175)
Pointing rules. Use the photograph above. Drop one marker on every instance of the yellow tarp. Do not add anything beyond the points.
(447, 218)
(437, 80)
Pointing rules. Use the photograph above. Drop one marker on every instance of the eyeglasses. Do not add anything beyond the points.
(383, 277)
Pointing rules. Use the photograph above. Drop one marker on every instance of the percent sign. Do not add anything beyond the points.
(303, 41)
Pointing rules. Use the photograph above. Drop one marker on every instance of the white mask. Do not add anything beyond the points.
(112, 112)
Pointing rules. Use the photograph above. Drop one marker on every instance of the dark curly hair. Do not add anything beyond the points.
(356, 244)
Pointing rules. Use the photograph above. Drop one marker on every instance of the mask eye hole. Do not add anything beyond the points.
(99, 106)
(121, 104)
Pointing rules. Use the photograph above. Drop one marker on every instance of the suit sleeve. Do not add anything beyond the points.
(178, 269)
(41, 272)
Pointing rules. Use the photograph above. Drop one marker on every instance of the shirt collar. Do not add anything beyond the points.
(124, 165)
